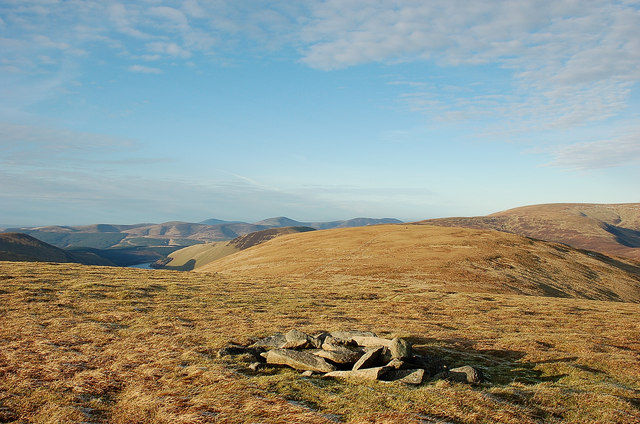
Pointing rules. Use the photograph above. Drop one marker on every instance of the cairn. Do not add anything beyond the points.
(347, 355)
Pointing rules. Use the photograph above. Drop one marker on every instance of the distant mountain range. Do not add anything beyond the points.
(130, 244)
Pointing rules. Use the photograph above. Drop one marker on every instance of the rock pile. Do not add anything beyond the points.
(349, 354)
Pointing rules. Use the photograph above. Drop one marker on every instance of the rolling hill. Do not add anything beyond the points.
(424, 258)
(199, 255)
(23, 247)
(613, 229)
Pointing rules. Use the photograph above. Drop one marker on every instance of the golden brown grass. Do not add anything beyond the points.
(98, 344)
(424, 257)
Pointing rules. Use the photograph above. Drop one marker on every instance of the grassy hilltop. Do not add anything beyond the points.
(100, 344)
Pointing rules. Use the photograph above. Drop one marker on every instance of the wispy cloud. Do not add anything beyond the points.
(144, 69)
(624, 150)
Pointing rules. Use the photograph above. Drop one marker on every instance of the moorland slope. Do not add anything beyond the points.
(23, 247)
(427, 258)
(196, 256)
(613, 229)
(122, 345)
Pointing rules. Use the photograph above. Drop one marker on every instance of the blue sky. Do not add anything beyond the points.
(152, 111)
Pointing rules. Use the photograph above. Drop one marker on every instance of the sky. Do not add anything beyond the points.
(153, 111)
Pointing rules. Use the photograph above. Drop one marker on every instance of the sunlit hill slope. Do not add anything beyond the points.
(428, 257)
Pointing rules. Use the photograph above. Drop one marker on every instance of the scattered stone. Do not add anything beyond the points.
(369, 359)
(400, 349)
(342, 356)
(348, 354)
(271, 342)
(256, 366)
(363, 373)
(466, 374)
(302, 361)
(413, 377)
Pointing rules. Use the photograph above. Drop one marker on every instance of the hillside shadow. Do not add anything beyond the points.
(187, 266)
(500, 366)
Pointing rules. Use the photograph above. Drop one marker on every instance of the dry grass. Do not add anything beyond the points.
(424, 257)
(98, 344)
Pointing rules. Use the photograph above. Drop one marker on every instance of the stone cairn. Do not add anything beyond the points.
(349, 354)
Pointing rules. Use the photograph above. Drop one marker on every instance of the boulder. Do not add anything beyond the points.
(299, 360)
(413, 377)
(397, 364)
(271, 342)
(342, 356)
(296, 339)
(369, 359)
(332, 343)
(466, 374)
(364, 373)
(400, 349)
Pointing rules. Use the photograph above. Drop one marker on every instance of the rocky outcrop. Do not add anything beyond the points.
(350, 355)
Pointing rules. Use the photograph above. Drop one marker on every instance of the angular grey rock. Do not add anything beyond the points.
(332, 343)
(400, 349)
(413, 377)
(308, 374)
(369, 359)
(370, 341)
(302, 361)
(318, 340)
(342, 356)
(350, 334)
(364, 373)
(271, 342)
(296, 339)
(466, 374)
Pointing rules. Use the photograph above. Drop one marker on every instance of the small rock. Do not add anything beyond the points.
(302, 361)
(413, 377)
(400, 349)
(363, 373)
(308, 373)
(466, 374)
(369, 359)
(271, 342)
(256, 366)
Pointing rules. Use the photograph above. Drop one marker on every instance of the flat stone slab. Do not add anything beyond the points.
(364, 373)
(275, 341)
(370, 341)
(341, 356)
(413, 377)
(302, 361)
(369, 359)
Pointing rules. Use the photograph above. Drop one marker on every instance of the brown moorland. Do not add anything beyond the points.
(103, 344)
(613, 229)
(432, 258)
